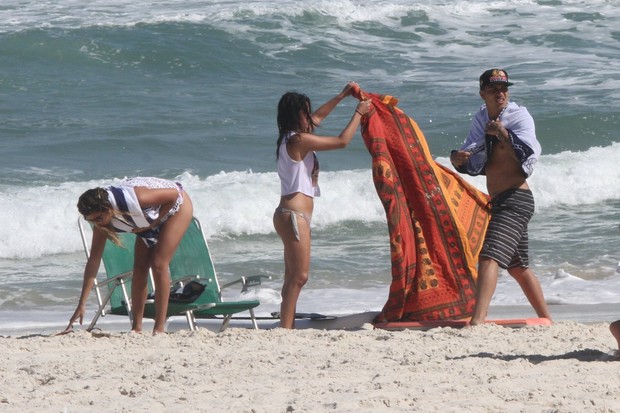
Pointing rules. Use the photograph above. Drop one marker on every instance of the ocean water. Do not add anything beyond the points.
(97, 91)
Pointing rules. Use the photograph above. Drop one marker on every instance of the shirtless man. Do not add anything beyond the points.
(502, 145)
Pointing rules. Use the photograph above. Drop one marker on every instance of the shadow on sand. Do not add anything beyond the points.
(580, 355)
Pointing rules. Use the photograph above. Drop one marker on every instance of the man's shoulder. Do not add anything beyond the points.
(515, 108)
(517, 113)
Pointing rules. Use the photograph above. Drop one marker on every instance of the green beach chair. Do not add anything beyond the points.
(193, 258)
(191, 262)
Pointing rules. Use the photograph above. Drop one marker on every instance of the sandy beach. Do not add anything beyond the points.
(565, 367)
(97, 91)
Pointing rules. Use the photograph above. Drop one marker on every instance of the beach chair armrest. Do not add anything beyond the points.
(246, 282)
(205, 306)
(116, 279)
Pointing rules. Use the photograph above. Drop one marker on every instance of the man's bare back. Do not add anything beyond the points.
(503, 170)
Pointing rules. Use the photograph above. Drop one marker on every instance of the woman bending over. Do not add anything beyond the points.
(158, 212)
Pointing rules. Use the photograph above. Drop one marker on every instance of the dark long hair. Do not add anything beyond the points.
(291, 108)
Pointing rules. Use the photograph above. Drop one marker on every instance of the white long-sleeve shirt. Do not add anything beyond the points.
(521, 134)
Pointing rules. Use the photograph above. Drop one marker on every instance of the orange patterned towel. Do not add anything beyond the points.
(436, 220)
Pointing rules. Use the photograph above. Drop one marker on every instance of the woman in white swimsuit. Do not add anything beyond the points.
(158, 212)
(298, 169)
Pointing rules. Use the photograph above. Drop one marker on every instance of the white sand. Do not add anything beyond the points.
(489, 368)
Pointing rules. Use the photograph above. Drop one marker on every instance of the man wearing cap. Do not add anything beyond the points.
(502, 145)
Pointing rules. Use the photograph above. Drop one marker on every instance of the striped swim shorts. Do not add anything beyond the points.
(506, 239)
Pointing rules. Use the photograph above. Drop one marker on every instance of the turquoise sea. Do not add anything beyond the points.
(91, 92)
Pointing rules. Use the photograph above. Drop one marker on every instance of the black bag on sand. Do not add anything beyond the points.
(188, 293)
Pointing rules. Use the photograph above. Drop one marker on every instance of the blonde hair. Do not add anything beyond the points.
(96, 200)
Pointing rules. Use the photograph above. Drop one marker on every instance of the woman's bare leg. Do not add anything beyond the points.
(139, 283)
(169, 238)
(615, 331)
(296, 264)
